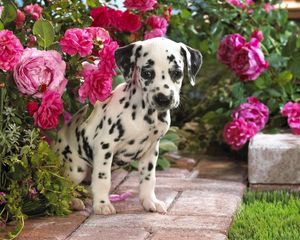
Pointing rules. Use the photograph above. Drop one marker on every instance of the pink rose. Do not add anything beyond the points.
(32, 107)
(240, 3)
(96, 85)
(48, 113)
(34, 10)
(268, 7)
(228, 45)
(75, 41)
(129, 22)
(157, 32)
(258, 35)
(67, 117)
(20, 19)
(249, 61)
(238, 132)
(158, 22)
(98, 34)
(141, 5)
(107, 62)
(292, 111)
(106, 17)
(11, 50)
(253, 111)
(38, 71)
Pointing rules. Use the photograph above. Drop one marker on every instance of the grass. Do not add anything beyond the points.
(268, 216)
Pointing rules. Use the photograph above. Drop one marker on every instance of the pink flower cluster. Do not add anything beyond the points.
(34, 10)
(240, 3)
(97, 83)
(159, 27)
(141, 5)
(11, 50)
(248, 119)
(115, 20)
(47, 114)
(246, 59)
(292, 112)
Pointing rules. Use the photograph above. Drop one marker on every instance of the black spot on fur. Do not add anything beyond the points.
(144, 140)
(66, 152)
(150, 166)
(102, 175)
(111, 130)
(133, 91)
(131, 142)
(151, 111)
(102, 201)
(59, 140)
(150, 62)
(155, 132)
(71, 169)
(137, 155)
(122, 100)
(133, 106)
(126, 105)
(156, 153)
(148, 119)
(104, 105)
(120, 163)
(166, 86)
(143, 104)
(161, 117)
(86, 147)
(107, 155)
(105, 146)
(120, 129)
(109, 121)
(138, 52)
(79, 169)
(133, 114)
(163, 76)
(70, 160)
(145, 54)
(171, 58)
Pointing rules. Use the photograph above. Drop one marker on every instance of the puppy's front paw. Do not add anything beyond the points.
(154, 205)
(104, 208)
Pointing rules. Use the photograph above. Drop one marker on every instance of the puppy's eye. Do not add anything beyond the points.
(176, 74)
(147, 74)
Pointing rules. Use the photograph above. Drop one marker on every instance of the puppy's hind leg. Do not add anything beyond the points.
(77, 171)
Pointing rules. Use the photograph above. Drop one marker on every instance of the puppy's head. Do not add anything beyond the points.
(158, 67)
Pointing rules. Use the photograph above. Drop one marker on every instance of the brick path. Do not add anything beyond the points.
(201, 205)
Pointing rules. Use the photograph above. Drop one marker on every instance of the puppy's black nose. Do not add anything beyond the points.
(162, 100)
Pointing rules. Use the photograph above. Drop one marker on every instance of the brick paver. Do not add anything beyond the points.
(198, 209)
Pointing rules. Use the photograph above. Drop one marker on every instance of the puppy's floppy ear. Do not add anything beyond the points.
(193, 59)
(126, 59)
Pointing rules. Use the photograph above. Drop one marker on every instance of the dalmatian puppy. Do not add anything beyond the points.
(130, 123)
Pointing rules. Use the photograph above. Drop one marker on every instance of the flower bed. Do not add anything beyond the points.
(55, 58)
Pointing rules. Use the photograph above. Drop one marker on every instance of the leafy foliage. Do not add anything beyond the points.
(268, 215)
(202, 25)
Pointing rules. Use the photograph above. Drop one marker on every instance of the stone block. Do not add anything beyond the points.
(274, 159)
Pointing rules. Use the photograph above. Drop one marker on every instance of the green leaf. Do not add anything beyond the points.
(44, 32)
(93, 3)
(167, 146)
(1, 25)
(185, 14)
(284, 77)
(163, 163)
(9, 13)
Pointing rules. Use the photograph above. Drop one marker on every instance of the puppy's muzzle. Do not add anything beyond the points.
(162, 101)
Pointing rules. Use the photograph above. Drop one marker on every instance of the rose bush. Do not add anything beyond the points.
(250, 48)
(54, 59)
